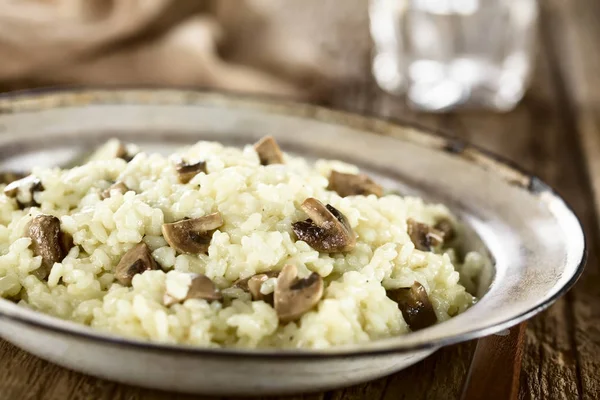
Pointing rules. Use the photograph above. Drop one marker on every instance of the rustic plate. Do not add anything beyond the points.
(533, 237)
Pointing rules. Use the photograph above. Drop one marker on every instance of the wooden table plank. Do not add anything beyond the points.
(496, 364)
(574, 29)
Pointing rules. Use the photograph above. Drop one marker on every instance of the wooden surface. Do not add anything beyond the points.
(554, 133)
(496, 364)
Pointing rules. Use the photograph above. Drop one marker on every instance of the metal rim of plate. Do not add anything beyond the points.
(44, 99)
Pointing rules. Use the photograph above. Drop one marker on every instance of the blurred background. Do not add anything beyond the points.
(439, 54)
(293, 48)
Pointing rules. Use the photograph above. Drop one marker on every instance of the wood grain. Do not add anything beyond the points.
(577, 61)
(554, 133)
(496, 366)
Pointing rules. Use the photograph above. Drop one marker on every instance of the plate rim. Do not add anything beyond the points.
(437, 139)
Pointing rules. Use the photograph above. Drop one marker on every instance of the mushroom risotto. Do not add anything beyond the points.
(224, 247)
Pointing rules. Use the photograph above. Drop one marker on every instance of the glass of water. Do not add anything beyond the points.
(445, 54)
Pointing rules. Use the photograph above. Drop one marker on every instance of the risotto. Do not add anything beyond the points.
(224, 247)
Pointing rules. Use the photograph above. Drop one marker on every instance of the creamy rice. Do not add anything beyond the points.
(258, 204)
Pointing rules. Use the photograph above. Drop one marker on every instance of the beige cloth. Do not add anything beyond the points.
(167, 42)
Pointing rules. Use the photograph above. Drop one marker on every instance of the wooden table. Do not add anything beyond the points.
(554, 133)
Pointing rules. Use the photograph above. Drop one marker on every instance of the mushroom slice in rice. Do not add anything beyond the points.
(185, 171)
(243, 283)
(268, 151)
(294, 297)
(48, 242)
(423, 236)
(112, 149)
(201, 287)
(137, 260)
(446, 227)
(253, 284)
(192, 236)
(415, 306)
(327, 230)
(23, 190)
(123, 152)
(119, 187)
(353, 185)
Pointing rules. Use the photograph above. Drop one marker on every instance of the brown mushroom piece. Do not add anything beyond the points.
(48, 241)
(253, 284)
(327, 230)
(415, 306)
(192, 236)
(294, 297)
(185, 171)
(66, 242)
(119, 187)
(243, 283)
(423, 236)
(201, 287)
(112, 149)
(446, 227)
(353, 185)
(268, 151)
(137, 260)
(23, 191)
(122, 153)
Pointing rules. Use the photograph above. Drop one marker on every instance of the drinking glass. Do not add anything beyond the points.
(446, 54)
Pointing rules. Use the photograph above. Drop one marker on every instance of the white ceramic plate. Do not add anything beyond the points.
(531, 234)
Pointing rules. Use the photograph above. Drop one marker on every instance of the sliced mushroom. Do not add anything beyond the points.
(66, 242)
(201, 287)
(7, 177)
(327, 230)
(121, 152)
(243, 283)
(415, 306)
(23, 191)
(268, 151)
(137, 260)
(352, 185)
(185, 172)
(423, 236)
(253, 284)
(192, 235)
(294, 297)
(48, 241)
(113, 149)
(119, 187)
(446, 228)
